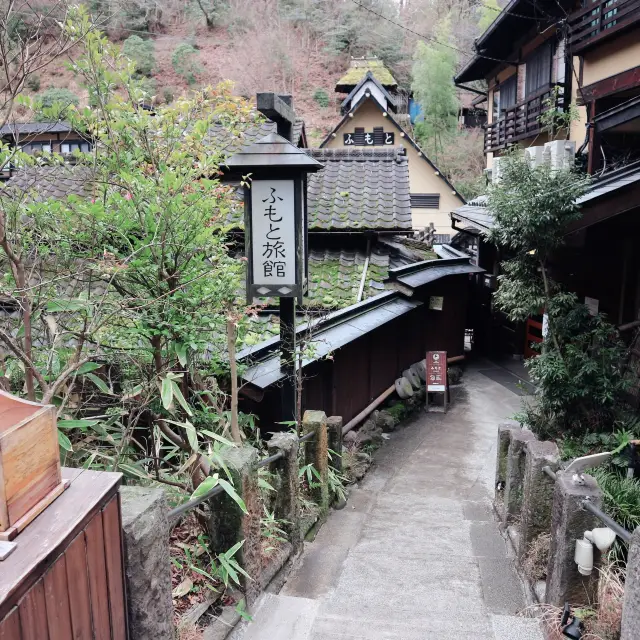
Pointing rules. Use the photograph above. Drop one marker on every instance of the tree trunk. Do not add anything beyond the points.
(25, 302)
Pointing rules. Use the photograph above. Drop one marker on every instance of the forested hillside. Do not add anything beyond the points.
(291, 46)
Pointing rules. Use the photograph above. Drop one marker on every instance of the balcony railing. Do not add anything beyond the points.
(600, 19)
(523, 119)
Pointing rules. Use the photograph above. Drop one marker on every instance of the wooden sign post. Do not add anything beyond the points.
(437, 379)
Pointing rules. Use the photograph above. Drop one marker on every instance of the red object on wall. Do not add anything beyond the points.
(436, 371)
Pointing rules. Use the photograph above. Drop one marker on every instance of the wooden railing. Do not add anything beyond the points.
(600, 19)
(523, 119)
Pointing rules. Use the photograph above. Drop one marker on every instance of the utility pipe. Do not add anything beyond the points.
(369, 409)
(453, 359)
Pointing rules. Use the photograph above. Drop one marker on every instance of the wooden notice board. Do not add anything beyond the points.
(437, 375)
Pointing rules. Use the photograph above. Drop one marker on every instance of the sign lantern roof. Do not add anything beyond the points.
(273, 152)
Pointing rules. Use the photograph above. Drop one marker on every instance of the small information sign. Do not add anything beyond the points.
(436, 371)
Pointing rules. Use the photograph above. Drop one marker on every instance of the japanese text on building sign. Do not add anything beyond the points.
(436, 371)
(362, 138)
(273, 232)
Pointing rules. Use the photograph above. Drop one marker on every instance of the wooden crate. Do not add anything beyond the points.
(30, 477)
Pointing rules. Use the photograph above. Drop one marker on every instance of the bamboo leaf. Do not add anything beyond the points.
(101, 384)
(192, 435)
(64, 442)
(87, 367)
(181, 352)
(231, 492)
(133, 470)
(166, 393)
(178, 395)
(208, 483)
(217, 437)
(76, 424)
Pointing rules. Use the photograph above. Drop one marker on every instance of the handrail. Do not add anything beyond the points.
(192, 504)
(619, 530)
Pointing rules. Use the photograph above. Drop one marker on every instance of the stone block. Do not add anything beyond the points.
(537, 491)
(287, 500)
(316, 453)
(569, 521)
(631, 608)
(232, 524)
(385, 421)
(514, 484)
(334, 435)
(505, 430)
(145, 529)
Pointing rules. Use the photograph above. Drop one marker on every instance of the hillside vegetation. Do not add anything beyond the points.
(299, 47)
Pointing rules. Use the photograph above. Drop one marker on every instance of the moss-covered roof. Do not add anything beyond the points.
(334, 280)
(358, 69)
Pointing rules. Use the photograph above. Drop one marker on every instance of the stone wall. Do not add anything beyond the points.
(534, 497)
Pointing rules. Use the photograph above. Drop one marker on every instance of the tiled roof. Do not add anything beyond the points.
(360, 189)
(34, 128)
(230, 142)
(335, 276)
(57, 181)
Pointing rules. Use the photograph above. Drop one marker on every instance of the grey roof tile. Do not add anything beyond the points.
(58, 181)
(360, 189)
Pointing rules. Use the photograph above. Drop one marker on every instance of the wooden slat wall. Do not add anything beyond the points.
(81, 596)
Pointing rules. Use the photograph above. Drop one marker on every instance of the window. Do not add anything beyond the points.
(36, 147)
(538, 69)
(508, 91)
(75, 145)
(425, 200)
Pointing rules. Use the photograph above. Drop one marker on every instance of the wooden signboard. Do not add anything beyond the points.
(437, 375)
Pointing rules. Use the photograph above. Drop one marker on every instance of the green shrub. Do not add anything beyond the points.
(149, 86)
(322, 98)
(169, 94)
(60, 97)
(141, 52)
(33, 82)
(185, 63)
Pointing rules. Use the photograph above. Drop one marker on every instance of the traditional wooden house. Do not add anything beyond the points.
(373, 114)
(556, 54)
(42, 137)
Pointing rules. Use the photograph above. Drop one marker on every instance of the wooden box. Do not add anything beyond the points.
(30, 477)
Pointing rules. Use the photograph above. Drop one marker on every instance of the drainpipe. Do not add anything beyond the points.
(364, 270)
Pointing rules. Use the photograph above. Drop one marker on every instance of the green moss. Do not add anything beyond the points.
(359, 68)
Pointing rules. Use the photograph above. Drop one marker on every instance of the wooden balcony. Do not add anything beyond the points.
(522, 120)
(599, 20)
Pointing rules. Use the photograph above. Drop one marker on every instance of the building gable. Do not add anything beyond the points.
(368, 124)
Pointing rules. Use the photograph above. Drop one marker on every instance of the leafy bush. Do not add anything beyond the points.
(169, 94)
(60, 97)
(321, 97)
(579, 374)
(185, 63)
(33, 82)
(141, 52)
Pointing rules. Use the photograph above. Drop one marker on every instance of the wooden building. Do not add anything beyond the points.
(373, 117)
(587, 56)
(42, 137)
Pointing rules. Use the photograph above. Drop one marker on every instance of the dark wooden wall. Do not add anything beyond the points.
(360, 371)
(77, 592)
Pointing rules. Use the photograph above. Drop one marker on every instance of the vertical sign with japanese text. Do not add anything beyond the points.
(436, 371)
(273, 231)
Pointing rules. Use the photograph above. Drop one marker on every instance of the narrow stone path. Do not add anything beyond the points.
(416, 554)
